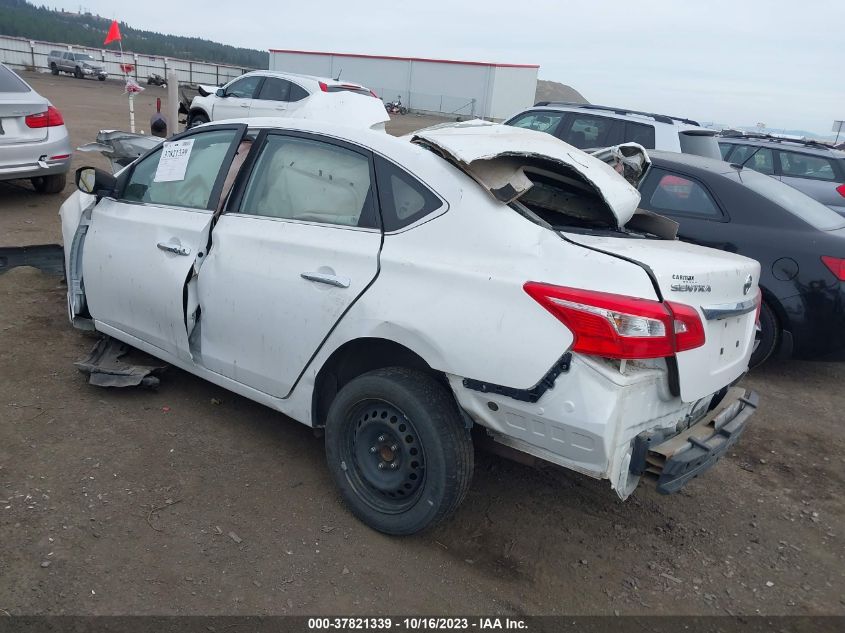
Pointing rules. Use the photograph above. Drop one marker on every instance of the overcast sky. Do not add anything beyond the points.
(738, 62)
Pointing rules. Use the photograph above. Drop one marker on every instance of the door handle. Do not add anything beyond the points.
(176, 249)
(323, 278)
(244, 105)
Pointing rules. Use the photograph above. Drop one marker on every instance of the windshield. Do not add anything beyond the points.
(82, 57)
(798, 204)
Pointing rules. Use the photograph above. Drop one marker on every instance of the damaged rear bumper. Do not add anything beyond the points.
(677, 459)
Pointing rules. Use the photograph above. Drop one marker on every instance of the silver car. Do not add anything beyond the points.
(34, 142)
(813, 168)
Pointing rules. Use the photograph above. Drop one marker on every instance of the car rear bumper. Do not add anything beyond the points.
(678, 459)
(29, 160)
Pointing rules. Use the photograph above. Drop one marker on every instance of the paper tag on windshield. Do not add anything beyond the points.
(174, 160)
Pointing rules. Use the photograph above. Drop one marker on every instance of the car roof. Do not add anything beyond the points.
(690, 160)
(806, 147)
(617, 113)
(285, 75)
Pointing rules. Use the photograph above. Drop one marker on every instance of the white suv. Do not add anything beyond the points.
(588, 126)
(274, 94)
(397, 292)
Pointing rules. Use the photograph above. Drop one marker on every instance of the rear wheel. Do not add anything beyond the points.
(101, 77)
(398, 450)
(49, 184)
(54, 69)
(768, 337)
(197, 119)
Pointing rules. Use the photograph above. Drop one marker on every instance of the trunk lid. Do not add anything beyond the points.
(508, 162)
(722, 287)
(14, 108)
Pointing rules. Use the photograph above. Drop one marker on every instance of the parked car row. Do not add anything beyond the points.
(799, 242)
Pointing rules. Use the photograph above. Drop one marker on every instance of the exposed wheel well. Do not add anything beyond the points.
(358, 357)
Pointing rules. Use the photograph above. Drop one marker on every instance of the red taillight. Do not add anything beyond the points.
(618, 326)
(836, 265)
(841, 190)
(50, 118)
(323, 86)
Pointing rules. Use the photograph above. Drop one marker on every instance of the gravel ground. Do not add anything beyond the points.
(191, 500)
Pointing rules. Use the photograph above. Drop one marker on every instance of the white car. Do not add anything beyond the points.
(398, 292)
(264, 93)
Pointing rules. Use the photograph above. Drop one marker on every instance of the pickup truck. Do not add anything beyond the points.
(80, 65)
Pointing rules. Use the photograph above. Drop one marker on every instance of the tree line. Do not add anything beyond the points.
(21, 19)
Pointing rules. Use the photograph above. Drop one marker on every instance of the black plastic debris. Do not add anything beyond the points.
(48, 258)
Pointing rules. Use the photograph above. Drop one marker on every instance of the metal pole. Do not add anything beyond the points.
(173, 102)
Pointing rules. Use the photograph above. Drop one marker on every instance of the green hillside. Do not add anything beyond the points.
(22, 19)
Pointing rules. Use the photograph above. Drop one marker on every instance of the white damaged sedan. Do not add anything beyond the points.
(398, 292)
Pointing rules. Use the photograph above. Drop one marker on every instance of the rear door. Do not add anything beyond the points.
(272, 98)
(237, 98)
(17, 101)
(298, 245)
(142, 246)
(589, 131)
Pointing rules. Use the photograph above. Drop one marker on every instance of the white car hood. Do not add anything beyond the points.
(494, 155)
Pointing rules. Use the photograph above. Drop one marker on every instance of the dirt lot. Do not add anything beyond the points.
(191, 500)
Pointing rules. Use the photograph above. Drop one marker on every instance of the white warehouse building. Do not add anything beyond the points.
(466, 89)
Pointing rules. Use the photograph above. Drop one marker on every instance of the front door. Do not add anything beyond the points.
(141, 246)
(237, 99)
(299, 247)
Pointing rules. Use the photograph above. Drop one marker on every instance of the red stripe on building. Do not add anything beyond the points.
(406, 59)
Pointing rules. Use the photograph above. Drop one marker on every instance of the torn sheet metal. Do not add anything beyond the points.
(121, 148)
(48, 258)
(106, 369)
(474, 145)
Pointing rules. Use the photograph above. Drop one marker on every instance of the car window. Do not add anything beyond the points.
(540, 121)
(206, 155)
(725, 149)
(10, 82)
(639, 133)
(243, 88)
(297, 93)
(274, 89)
(586, 131)
(403, 199)
(762, 160)
(311, 181)
(806, 166)
(678, 194)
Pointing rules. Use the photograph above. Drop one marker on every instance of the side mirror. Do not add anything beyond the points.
(95, 181)
(220, 92)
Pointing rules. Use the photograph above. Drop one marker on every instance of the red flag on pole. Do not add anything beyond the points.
(113, 35)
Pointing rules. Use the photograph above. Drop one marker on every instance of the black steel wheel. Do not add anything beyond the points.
(398, 450)
(77, 72)
(196, 119)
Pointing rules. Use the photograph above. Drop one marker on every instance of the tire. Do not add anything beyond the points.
(197, 119)
(54, 69)
(49, 184)
(101, 77)
(77, 73)
(400, 417)
(768, 338)
(403, 110)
